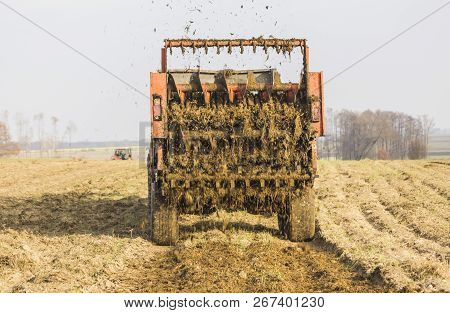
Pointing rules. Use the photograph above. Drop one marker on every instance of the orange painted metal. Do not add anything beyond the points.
(206, 93)
(163, 60)
(158, 88)
(317, 105)
(236, 92)
(314, 155)
(159, 156)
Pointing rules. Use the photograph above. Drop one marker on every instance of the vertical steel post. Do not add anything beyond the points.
(306, 74)
(163, 60)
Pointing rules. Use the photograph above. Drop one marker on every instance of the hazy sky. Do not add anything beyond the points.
(39, 74)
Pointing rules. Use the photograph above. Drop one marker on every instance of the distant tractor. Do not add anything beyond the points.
(122, 154)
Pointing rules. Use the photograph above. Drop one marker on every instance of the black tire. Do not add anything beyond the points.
(300, 223)
(163, 220)
(282, 224)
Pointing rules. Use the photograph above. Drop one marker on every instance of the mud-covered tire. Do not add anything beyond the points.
(165, 227)
(282, 224)
(163, 220)
(301, 216)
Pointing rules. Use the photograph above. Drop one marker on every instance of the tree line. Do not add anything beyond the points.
(45, 133)
(383, 135)
(349, 135)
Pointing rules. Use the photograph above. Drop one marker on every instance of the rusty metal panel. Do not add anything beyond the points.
(163, 60)
(158, 91)
(278, 43)
(314, 155)
(231, 81)
(315, 111)
(317, 105)
(159, 156)
(157, 112)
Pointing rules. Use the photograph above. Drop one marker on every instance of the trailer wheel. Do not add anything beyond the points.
(300, 223)
(282, 224)
(163, 220)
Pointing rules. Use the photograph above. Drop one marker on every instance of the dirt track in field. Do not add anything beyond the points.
(80, 226)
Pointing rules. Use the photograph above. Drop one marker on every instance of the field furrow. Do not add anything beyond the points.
(435, 179)
(404, 258)
(413, 204)
(81, 226)
(420, 215)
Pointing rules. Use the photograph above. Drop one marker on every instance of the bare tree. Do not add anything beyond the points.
(4, 116)
(427, 124)
(6, 146)
(27, 136)
(54, 120)
(4, 134)
(70, 130)
(39, 120)
(19, 126)
(375, 135)
(20, 130)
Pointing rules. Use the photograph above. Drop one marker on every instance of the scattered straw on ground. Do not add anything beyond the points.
(391, 218)
(78, 226)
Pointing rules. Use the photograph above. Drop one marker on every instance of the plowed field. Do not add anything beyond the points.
(80, 226)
